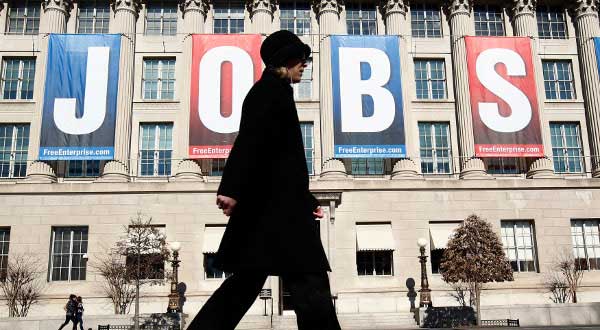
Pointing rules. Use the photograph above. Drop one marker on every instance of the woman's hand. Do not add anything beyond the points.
(227, 204)
(318, 213)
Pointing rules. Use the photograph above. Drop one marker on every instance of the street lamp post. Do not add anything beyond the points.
(425, 292)
(174, 295)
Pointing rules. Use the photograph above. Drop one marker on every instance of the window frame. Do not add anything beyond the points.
(229, 16)
(430, 80)
(164, 66)
(14, 151)
(21, 80)
(156, 159)
(436, 30)
(488, 21)
(364, 23)
(24, 17)
(564, 157)
(556, 83)
(214, 271)
(305, 128)
(519, 224)
(586, 247)
(552, 33)
(162, 20)
(374, 254)
(85, 168)
(305, 84)
(359, 162)
(98, 24)
(434, 147)
(296, 18)
(71, 229)
(4, 251)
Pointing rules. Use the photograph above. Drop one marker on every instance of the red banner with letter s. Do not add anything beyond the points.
(504, 101)
(224, 68)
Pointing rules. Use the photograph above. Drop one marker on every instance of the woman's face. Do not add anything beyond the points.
(295, 68)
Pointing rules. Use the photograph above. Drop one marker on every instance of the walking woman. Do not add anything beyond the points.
(79, 312)
(264, 189)
(70, 309)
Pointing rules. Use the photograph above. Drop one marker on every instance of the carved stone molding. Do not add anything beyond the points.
(114, 171)
(405, 169)
(542, 168)
(524, 7)
(474, 168)
(63, 6)
(584, 7)
(333, 169)
(188, 170)
(257, 6)
(201, 6)
(40, 172)
(458, 7)
(325, 197)
(133, 6)
(394, 6)
(322, 6)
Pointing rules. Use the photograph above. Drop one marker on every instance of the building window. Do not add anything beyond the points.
(586, 243)
(361, 19)
(161, 18)
(518, 241)
(144, 245)
(210, 270)
(489, 21)
(156, 148)
(374, 249)
(4, 243)
(367, 166)
(69, 244)
(566, 147)
(551, 23)
(24, 17)
(14, 142)
(94, 16)
(440, 234)
(159, 79)
(307, 138)
(507, 165)
(303, 90)
(217, 166)
(152, 265)
(370, 263)
(83, 168)
(228, 17)
(18, 76)
(558, 80)
(430, 79)
(435, 148)
(425, 21)
(295, 17)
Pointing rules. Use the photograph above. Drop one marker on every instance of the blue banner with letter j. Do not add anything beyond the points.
(80, 98)
(368, 118)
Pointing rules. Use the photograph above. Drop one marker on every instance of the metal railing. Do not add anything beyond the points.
(501, 323)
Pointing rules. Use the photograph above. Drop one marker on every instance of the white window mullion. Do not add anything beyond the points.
(20, 78)
(70, 256)
(13, 150)
(156, 148)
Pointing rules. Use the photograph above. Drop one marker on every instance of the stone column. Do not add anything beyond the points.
(328, 15)
(524, 22)
(126, 13)
(261, 14)
(585, 14)
(194, 16)
(459, 15)
(54, 20)
(394, 14)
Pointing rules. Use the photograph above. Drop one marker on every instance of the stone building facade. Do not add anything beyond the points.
(70, 213)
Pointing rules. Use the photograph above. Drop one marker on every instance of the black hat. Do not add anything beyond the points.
(282, 46)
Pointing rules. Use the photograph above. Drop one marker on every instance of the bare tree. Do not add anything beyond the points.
(462, 294)
(144, 249)
(571, 271)
(474, 256)
(117, 284)
(22, 284)
(557, 286)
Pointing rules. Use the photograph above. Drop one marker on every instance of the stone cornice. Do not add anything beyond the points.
(201, 6)
(133, 6)
(582, 8)
(389, 7)
(257, 6)
(63, 6)
(524, 7)
(458, 7)
(323, 6)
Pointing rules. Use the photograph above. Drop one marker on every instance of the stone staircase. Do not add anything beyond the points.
(362, 321)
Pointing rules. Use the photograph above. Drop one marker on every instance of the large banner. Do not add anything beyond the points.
(368, 117)
(224, 68)
(80, 99)
(597, 44)
(503, 97)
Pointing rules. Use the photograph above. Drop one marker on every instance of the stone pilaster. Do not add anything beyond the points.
(56, 13)
(261, 14)
(126, 14)
(54, 20)
(328, 14)
(523, 18)
(194, 15)
(459, 15)
(394, 14)
(585, 17)
(329, 202)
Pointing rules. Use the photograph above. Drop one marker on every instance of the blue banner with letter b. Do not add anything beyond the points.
(80, 98)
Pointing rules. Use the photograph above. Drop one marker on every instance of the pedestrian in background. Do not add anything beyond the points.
(79, 312)
(264, 189)
(70, 310)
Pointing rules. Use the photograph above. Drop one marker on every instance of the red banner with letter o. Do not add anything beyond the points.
(224, 68)
(504, 101)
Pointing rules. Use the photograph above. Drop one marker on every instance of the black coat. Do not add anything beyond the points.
(272, 228)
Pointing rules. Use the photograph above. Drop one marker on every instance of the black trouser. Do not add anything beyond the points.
(310, 296)
(69, 318)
